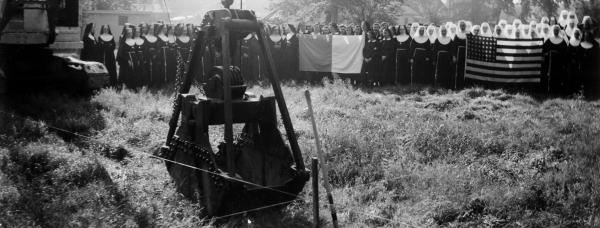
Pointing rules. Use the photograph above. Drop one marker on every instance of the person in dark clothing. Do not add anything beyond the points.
(278, 48)
(590, 69)
(574, 53)
(151, 50)
(171, 55)
(90, 50)
(291, 54)
(459, 51)
(388, 58)
(554, 72)
(184, 46)
(106, 47)
(125, 58)
(403, 56)
(442, 58)
(249, 58)
(140, 71)
(162, 56)
(420, 51)
(365, 27)
(372, 55)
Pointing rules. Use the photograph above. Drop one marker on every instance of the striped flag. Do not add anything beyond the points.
(504, 60)
(327, 53)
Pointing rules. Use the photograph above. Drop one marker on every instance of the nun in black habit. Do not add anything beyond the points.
(420, 51)
(388, 58)
(184, 42)
(291, 54)
(278, 47)
(442, 57)
(590, 69)
(125, 57)
(151, 51)
(161, 59)
(250, 58)
(106, 46)
(460, 48)
(403, 56)
(372, 55)
(554, 72)
(140, 71)
(574, 52)
(90, 50)
(172, 55)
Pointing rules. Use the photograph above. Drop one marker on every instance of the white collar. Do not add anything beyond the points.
(586, 45)
(151, 38)
(289, 36)
(444, 40)
(139, 41)
(402, 38)
(184, 39)
(556, 39)
(249, 36)
(106, 37)
(130, 41)
(420, 39)
(574, 42)
(569, 31)
(461, 35)
(432, 39)
(163, 37)
(275, 37)
(172, 39)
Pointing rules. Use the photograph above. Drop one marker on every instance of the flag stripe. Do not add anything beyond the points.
(517, 58)
(519, 51)
(486, 67)
(525, 43)
(524, 66)
(519, 47)
(504, 80)
(502, 73)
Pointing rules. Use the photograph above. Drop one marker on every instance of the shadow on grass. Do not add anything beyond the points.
(74, 114)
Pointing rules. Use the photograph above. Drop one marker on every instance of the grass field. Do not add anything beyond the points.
(400, 157)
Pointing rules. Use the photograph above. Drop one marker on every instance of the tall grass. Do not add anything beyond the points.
(409, 156)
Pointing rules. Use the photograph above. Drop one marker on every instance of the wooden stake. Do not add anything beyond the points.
(315, 186)
(324, 168)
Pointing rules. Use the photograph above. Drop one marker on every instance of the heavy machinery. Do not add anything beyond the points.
(39, 40)
(256, 168)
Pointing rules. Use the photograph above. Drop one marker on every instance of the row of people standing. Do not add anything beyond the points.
(435, 55)
(147, 55)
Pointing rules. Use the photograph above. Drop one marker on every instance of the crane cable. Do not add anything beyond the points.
(168, 13)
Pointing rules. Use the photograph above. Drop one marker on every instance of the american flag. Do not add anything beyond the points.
(504, 60)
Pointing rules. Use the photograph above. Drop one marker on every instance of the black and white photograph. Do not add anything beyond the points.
(299, 113)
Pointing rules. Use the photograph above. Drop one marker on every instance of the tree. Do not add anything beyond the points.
(549, 7)
(110, 4)
(587, 7)
(335, 10)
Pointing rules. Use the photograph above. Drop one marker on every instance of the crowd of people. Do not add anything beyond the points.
(147, 54)
(425, 54)
(430, 54)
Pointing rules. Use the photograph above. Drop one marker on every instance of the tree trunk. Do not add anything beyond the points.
(332, 12)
